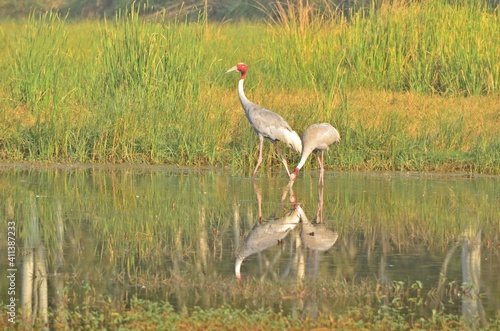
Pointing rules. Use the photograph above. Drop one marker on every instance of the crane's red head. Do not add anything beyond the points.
(241, 67)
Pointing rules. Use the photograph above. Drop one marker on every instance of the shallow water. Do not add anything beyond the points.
(174, 234)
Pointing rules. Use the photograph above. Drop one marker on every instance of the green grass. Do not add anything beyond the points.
(99, 313)
(396, 306)
(150, 90)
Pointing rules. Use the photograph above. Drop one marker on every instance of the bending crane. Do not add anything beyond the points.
(316, 139)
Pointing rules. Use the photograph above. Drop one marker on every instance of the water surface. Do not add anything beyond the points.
(174, 234)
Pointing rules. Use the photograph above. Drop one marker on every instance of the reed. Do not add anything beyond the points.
(136, 90)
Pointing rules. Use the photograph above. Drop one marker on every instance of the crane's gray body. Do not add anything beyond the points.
(317, 137)
(268, 124)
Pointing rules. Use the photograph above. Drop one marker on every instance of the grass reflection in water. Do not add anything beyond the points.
(113, 241)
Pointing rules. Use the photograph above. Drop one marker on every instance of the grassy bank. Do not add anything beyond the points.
(410, 87)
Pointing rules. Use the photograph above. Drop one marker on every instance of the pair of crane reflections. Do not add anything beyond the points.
(313, 235)
(267, 124)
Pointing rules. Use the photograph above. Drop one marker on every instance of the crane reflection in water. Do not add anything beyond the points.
(272, 231)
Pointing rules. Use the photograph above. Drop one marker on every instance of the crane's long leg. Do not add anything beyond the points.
(321, 167)
(259, 161)
(282, 158)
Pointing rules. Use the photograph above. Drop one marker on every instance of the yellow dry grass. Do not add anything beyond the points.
(423, 114)
(417, 115)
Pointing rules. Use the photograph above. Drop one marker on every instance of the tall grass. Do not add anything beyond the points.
(437, 47)
(151, 90)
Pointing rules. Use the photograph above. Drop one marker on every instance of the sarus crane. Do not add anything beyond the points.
(266, 123)
(316, 138)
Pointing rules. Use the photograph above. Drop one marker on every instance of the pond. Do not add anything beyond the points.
(428, 241)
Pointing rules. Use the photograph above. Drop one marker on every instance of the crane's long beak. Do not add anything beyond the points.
(232, 69)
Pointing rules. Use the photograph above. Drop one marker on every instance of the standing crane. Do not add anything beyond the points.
(266, 123)
(316, 138)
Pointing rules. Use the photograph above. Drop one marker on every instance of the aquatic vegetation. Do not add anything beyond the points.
(98, 312)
